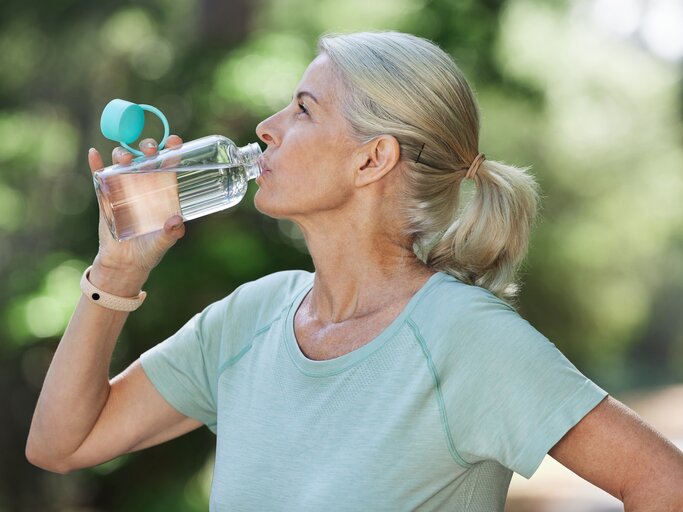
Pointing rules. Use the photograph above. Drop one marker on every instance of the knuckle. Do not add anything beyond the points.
(174, 140)
(148, 144)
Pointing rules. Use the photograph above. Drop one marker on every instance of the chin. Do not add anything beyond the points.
(266, 207)
(259, 203)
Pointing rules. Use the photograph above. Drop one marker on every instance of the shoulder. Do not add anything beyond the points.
(275, 289)
(451, 303)
(499, 378)
(465, 319)
(260, 301)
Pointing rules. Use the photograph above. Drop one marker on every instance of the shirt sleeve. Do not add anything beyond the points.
(510, 394)
(184, 367)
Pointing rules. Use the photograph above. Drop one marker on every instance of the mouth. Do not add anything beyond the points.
(265, 170)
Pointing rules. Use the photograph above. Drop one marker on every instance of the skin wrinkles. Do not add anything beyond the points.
(344, 195)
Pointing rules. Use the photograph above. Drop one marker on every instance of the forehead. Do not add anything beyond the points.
(321, 80)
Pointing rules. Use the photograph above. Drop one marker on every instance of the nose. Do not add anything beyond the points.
(267, 132)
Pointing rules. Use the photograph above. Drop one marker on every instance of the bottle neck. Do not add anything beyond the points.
(250, 158)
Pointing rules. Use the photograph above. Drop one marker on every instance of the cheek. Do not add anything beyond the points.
(310, 175)
(302, 190)
(323, 176)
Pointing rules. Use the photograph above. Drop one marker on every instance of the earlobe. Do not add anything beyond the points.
(379, 157)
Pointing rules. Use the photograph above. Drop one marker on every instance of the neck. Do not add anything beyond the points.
(359, 269)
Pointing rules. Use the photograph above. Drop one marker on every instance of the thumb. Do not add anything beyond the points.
(174, 228)
(156, 244)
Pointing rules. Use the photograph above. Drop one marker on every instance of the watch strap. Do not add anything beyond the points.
(107, 300)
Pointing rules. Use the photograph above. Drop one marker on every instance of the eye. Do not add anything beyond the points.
(302, 108)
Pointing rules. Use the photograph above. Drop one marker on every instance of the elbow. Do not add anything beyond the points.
(43, 460)
(667, 504)
(667, 498)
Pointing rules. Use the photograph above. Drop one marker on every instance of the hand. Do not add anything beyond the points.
(139, 255)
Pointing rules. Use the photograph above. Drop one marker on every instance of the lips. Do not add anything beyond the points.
(265, 169)
(265, 166)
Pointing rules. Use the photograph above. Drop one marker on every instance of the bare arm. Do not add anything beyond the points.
(617, 451)
(81, 418)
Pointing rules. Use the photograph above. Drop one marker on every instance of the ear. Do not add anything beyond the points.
(377, 158)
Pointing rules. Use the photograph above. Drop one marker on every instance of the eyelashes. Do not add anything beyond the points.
(302, 108)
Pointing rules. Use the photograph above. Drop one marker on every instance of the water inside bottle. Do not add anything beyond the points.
(140, 202)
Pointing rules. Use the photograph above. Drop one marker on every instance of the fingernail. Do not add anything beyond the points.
(149, 144)
(91, 150)
(176, 227)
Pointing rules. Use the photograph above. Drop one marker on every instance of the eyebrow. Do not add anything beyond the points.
(306, 93)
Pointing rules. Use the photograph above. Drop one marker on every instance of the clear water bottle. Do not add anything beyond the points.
(200, 177)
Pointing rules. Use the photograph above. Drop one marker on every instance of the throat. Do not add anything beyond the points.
(328, 340)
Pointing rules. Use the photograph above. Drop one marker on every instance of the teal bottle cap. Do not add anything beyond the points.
(123, 121)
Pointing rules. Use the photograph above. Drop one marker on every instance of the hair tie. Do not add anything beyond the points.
(474, 166)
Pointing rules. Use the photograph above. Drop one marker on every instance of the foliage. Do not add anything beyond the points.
(597, 118)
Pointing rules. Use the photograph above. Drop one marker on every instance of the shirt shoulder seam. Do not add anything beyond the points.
(237, 357)
(438, 394)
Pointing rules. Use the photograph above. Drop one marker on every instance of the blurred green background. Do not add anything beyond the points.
(587, 93)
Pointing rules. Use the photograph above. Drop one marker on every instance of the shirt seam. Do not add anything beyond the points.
(200, 339)
(439, 395)
(350, 366)
(326, 373)
(473, 487)
(237, 357)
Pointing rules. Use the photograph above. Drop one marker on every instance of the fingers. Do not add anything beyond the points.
(174, 227)
(121, 156)
(174, 141)
(148, 147)
(95, 160)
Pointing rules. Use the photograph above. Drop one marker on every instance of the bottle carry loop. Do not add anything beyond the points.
(200, 177)
(123, 121)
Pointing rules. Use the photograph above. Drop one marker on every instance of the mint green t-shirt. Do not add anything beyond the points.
(435, 413)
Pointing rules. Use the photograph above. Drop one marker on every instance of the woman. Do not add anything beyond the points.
(396, 377)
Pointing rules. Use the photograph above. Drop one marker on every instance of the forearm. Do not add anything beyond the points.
(76, 387)
(613, 448)
(660, 488)
(669, 498)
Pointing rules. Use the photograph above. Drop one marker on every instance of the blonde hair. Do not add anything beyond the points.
(407, 87)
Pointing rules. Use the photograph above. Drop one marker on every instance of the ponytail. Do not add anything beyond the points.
(408, 87)
(484, 243)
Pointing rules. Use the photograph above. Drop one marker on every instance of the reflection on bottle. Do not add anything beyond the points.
(203, 176)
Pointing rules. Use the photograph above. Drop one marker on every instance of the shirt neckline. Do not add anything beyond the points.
(329, 367)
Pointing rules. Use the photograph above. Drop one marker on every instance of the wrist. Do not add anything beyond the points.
(124, 282)
(107, 300)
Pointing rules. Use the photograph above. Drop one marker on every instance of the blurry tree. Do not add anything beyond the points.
(597, 118)
(605, 141)
(63, 61)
